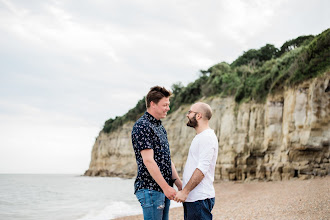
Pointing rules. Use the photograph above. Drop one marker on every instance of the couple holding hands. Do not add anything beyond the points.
(157, 173)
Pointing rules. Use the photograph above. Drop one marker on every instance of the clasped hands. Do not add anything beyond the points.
(179, 196)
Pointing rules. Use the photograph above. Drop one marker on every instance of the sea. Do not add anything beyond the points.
(67, 197)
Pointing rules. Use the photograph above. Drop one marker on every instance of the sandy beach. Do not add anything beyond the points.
(291, 199)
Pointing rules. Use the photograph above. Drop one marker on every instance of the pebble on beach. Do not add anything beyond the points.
(290, 199)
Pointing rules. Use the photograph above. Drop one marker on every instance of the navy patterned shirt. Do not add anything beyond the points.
(149, 133)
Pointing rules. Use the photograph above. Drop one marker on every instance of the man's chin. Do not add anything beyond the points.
(192, 125)
(164, 115)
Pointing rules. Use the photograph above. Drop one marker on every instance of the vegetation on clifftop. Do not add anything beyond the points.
(252, 76)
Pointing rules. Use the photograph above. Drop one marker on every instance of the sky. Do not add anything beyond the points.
(68, 66)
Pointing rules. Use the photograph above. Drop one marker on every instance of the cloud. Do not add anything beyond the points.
(68, 66)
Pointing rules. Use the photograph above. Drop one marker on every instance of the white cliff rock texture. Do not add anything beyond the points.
(286, 137)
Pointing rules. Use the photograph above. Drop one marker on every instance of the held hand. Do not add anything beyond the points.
(170, 193)
(181, 196)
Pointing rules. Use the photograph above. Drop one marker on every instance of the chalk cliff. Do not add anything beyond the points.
(288, 136)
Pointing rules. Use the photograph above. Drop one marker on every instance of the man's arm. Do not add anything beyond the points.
(150, 163)
(195, 179)
(176, 177)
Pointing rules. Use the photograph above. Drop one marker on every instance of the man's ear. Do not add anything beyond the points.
(152, 104)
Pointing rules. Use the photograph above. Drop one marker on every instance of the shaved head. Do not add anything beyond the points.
(203, 108)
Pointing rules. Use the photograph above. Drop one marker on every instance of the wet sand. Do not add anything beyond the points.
(290, 199)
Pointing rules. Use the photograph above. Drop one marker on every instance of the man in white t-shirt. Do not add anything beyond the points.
(198, 195)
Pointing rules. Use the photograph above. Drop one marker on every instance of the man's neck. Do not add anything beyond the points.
(153, 114)
(201, 128)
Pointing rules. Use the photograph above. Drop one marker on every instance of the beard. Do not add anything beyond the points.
(192, 122)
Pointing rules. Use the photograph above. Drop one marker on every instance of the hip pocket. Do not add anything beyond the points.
(148, 198)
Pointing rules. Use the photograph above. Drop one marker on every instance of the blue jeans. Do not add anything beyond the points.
(154, 204)
(199, 210)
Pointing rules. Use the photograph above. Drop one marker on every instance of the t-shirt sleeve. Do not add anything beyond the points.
(142, 137)
(206, 153)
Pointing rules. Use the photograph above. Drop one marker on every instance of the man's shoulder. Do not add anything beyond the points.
(208, 136)
(209, 133)
(141, 123)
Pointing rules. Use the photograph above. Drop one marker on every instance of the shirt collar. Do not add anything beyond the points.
(152, 119)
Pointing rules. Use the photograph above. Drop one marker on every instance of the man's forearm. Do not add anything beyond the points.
(195, 179)
(153, 169)
(156, 174)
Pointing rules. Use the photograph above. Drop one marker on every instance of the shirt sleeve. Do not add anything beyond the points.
(142, 137)
(206, 153)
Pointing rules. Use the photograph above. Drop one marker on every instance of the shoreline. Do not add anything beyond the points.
(288, 199)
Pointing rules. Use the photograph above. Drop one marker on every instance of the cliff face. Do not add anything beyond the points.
(287, 137)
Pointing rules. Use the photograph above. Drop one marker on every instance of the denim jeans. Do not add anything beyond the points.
(154, 204)
(200, 209)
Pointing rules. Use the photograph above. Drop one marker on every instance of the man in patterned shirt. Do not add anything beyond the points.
(156, 172)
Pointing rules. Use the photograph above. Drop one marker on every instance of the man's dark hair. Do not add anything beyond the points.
(155, 94)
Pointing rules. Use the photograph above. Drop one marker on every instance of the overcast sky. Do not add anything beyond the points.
(67, 66)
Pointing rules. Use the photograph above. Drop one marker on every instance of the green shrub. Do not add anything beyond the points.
(252, 76)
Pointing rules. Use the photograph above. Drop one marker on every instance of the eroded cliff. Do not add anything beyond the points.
(288, 136)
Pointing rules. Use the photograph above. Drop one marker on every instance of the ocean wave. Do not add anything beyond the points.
(114, 210)
(118, 209)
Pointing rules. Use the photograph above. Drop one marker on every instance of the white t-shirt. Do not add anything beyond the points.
(203, 155)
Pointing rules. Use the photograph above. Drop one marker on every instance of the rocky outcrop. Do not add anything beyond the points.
(288, 136)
